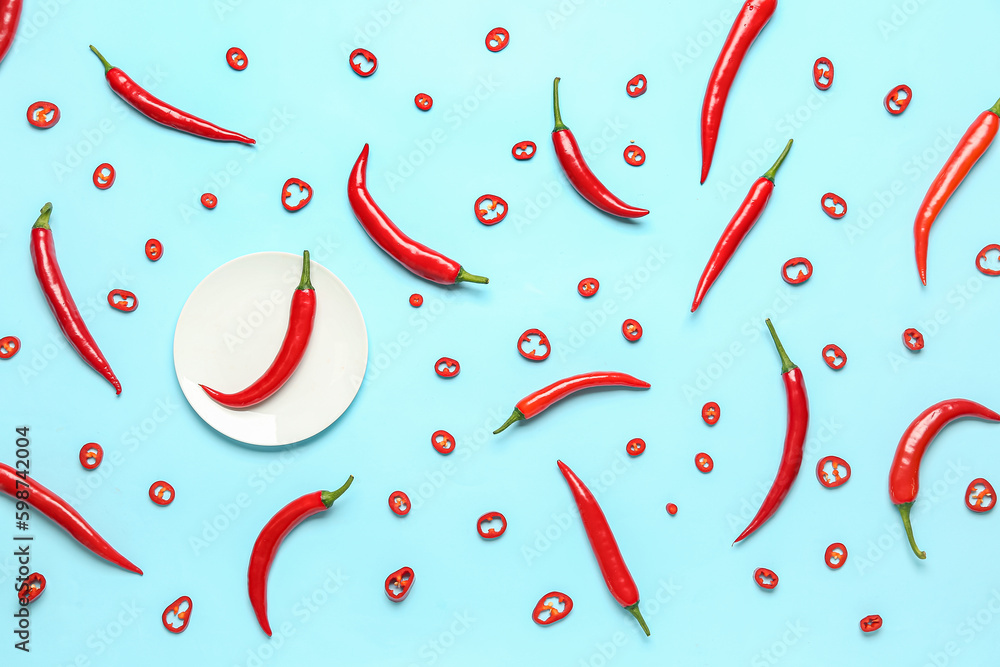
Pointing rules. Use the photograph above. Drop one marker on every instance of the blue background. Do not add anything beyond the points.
(472, 599)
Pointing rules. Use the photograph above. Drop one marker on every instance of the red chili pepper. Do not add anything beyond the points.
(162, 493)
(533, 353)
(208, 200)
(399, 503)
(833, 205)
(537, 401)
(974, 496)
(497, 39)
(159, 111)
(765, 578)
(443, 442)
(9, 346)
(602, 541)
(177, 615)
(293, 347)
(588, 287)
(154, 250)
(523, 150)
(970, 148)
(704, 462)
(635, 446)
(632, 330)
(447, 367)
(416, 300)
(123, 300)
(904, 476)
(835, 477)
(636, 86)
(416, 257)
(50, 278)
(913, 340)
(546, 612)
(91, 452)
(579, 174)
(423, 101)
(671, 509)
(286, 194)
(823, 73)
(237, 59)
(33, 586)
(835, 556)
(895, 104)
(834, 357)
(486, 209)
(10, 15)
(18, 485)
(795, 437)
(710, 412)
(739, 226)
(42, 115)
(104, 181)
(367, 59)
(748, 24)
(398, 584)
(491, 533)
(271, 537)
(981, 257)
(634, 155)
(871, 623)
(801, 276)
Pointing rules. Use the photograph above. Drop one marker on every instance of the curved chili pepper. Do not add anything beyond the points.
(159, 111)
(536, 402)
(602, 541)
(739, 226)
(19, 486)
(416, 257)
(293, 347)
(579, 174)
(50, 278)
(10, 15)
(550, 612)
(970, 148)
(904, 476)
(179, 612)
(748, 24)
(271, 537)
(795, 437)
(398, 584)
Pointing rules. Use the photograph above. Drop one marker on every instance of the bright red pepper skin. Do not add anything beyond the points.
(64, 516)
(416, 257)
(748, 24)
(795, 438)
(579, 174)
(271, 537)
(10, 15)
(602, 541)
(293, 348)
(970, 148)
(50, 278)
(533, 403)
(157, 110)
(904, 476)
(742, 222)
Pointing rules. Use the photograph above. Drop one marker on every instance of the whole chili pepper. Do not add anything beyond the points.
(156, 109)
(795, 437)
(904, 476)
(748, 24)
(533, 403)
(21, 487)
(50, 278)
(271, 537)
(10, 15)
(579, 174)
(602, 541)
(416, 257)
(739, 226)
(293, 347)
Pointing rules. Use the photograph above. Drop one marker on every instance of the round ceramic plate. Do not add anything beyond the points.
(231, 329)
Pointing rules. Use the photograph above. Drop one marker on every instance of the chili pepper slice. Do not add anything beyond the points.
(491, 533)
(102, 180)
(43, 115)
(588, 287)
(177, 615)
(840, 471)
(895, 104)
(9, 346)
(704, 462)
(123, 300)
(636, 86)
(711, 412)
(671, 509)
(765, 578)
(399, 503)
(443, 442)
(154, 250)
(237, 59)
(552, 607)
(523, 150)
(871, 623)
(632, 330)
(635, 446)
(801, 276)
(208, 200)
(981, 257)
(497, 39)
(447, 367)
(634, 155)
(287, 194)
(423, 101)
(399, 583)
(834, 357)
(823, 73)
(361, 59)
(486, 209)
(835, 556)
(416, 300)
(33, 586)
(913, 340)
(91, 455)
(980, 499)
(834, 205)
(162, 493)
(542, 341)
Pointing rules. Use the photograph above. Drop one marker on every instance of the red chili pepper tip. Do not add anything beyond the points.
(363, 62)
(804, 273)
(980, 495)
(162, 493)
(833, 205)
(399, 583)
(823, 73)
(711, 413)
(523, 150)
(154, 250)
(490, 209)
(704, 462)
(635, 446)
(416, 300)
(399, 503)
(33, 586)
(840, 471)
(634, 155)
(632, 330)
(91, 455)
(497, 39)
(895, 104)
(983, 257)
(834, 357)
(177, 615)
(534, 345)
(588, 287)
(835, 556)
(43, 115)
(9, 346)
(103, 180)
(423, 101)
(552, 607)
(765, 578)
(491, 533)
(913, 340)
(871, 623)
(636, 86)
(208, 200)
(671, 509)
(443, 442)
(237, 59)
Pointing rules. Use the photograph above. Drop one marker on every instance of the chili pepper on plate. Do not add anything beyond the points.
(904, 476)
(157, 110)
(271, 537)
(50, 278)
(10, 15)
(416, 257)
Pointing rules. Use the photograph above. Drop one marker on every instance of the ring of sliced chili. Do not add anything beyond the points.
(43, 115)
(447, 367)
(484, 209)
(833, 205)
(893, 103)
(399, 503)
(180, 611)
(835, 556)
(162, 493)
(840, 471)
(523, 150)
(871, 623)
(91, 452)
(423, 101)
(632, 330)
(154, 250)
(33, 586)
(286, 194)
(497, 39)
(801, 276)
(208, 200)
(765, 578)
(913, 340)
(981, 257)
(491, 533)
(123, 300)
(588, 287)
(443, 442)
(416, 300)
(368, 57)
(671, 509)
(636, 86)
(635, 446)
(823, 73)
(711, 412)
(974, 496)
(102, 182)
(399, 583)
(237, 59)
(542, 342)
(704, 462)
(9, 346)
(634, 155)
(546, 613)
(834, 357)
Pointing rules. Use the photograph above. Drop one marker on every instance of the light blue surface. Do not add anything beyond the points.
(472, 599)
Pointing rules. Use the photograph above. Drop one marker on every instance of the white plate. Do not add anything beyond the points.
(232, 327)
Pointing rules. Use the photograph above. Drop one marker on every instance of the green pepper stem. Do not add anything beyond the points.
(786, 363)
(107, 66)
(555, 106)
(304, 283)
(996, 108)
(465, 276)
(770, 173)
(904, 511)
(329, 496)
(43, 218)
(515, 416)
(634, 610)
